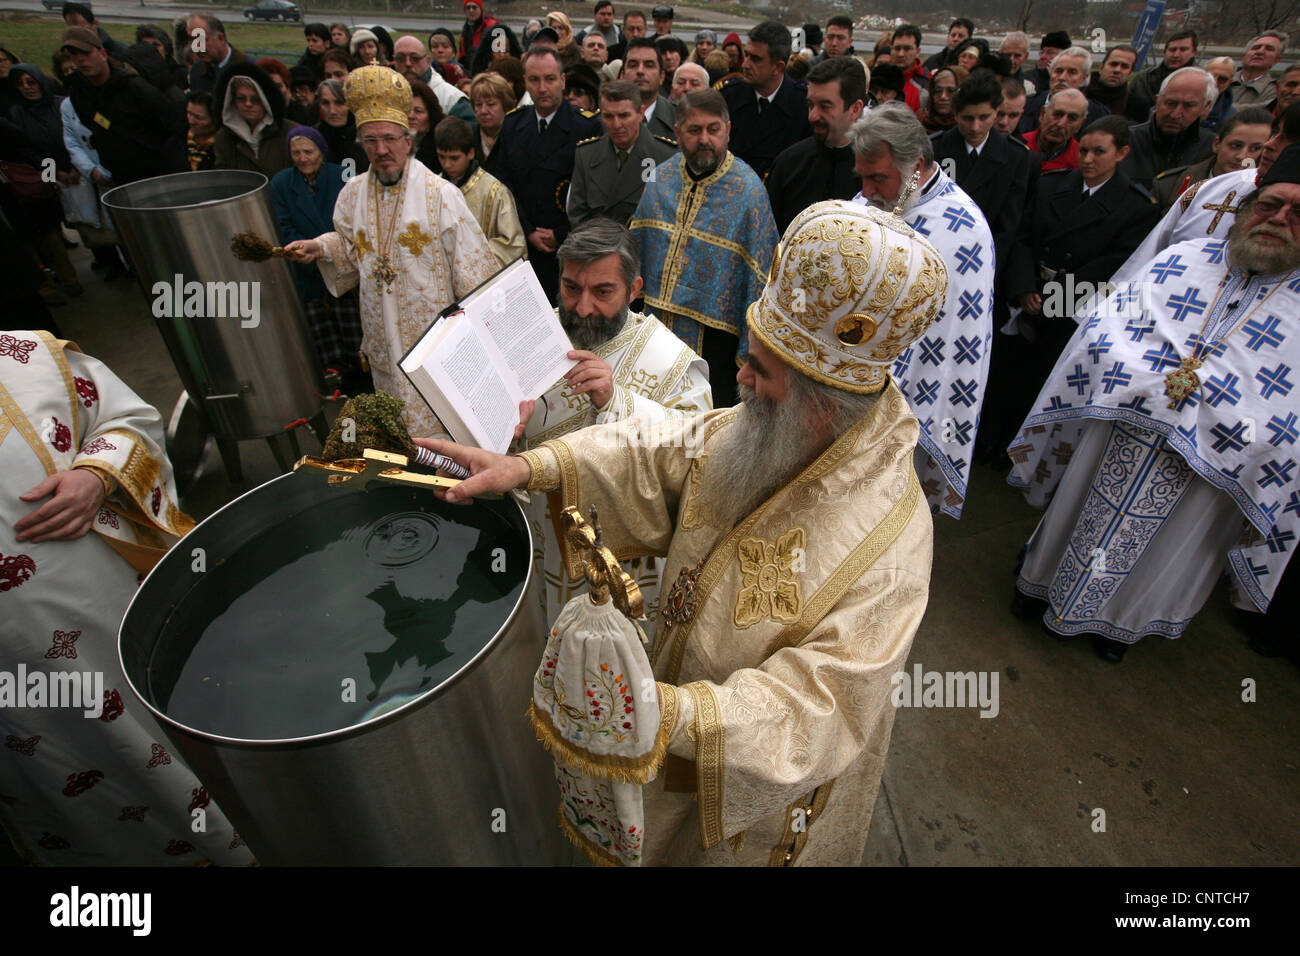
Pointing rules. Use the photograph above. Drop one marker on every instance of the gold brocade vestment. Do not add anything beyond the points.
(782, 633)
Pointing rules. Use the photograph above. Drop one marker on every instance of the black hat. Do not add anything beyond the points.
(1057, 40)
(1285, 169)
(582, 77)
(812, 34)
(303, 76)
(545, 35)
(661, 13)
(887, 76)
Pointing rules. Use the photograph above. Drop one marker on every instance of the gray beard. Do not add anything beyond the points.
(591, 333)
(1246, 254)
(762, 450)
(397, 178)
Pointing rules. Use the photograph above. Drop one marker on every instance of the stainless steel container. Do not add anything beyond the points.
(251, 379)
(454, 775)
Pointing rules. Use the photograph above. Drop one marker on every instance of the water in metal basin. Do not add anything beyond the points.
(339, 613)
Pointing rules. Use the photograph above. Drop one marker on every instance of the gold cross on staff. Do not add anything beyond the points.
(414, 239)
(1219, 210)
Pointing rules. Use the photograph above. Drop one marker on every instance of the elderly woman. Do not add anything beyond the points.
(304, 198)
(492, 98)
(938, 115)
(364, 46)
(252, 126)
(567, 48)
(706, 41)
(426, 113)
(336, 126)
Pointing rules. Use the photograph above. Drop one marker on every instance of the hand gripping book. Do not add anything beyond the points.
(498, 346)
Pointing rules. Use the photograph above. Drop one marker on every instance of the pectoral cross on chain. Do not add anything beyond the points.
(1219, 210)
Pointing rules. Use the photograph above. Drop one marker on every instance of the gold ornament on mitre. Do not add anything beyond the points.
(850, 287)
(377, 94)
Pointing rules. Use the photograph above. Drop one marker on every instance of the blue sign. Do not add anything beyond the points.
(1147, 26)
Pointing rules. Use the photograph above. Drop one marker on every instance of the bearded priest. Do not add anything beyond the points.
(798, 548)
(1165, 437)
(403, 233)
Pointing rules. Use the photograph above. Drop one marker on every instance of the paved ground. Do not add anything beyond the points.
(1185, 771)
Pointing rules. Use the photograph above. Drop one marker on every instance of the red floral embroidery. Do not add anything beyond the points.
(159, 757)
(64, 645)
(178, 848)
(155, 501)
(86, 389)
(25, 747)
(108, 517)
(134, 813)
(61, 438)
(199, 799)
(79, 783)
(16, 348)
(113, 706)
(237, 841)
(15, 570)
(52, 841)
(99, 444)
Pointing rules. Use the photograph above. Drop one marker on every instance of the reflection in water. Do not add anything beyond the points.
(387, 590)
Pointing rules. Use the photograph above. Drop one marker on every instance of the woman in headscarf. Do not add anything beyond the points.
(426, 113)
(938, 115)
(38, 135)
(566, 48)
(304, 196)
(252, 122)
(706, 41)
(735, 52)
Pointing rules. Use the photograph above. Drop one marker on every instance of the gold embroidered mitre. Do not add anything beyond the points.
(378, 94)
(850, 287)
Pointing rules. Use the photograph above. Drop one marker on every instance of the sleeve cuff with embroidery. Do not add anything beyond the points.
(109, 484)
(620, 406)
(681, 706)
(544, 468)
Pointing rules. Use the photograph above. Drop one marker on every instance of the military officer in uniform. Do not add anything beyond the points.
(1080, 227)
(534, 158)
(610, 171)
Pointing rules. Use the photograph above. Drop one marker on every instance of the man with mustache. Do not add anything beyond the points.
(1166, 436)
(705, 230)
(798, 552)
(629, 364)
(944, 374)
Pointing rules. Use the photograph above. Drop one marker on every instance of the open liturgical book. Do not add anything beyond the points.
(500, 345)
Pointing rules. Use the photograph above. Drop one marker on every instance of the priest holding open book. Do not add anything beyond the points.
(403, 233)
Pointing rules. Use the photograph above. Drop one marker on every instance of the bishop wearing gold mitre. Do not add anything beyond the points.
(798, 547)
(401, 232)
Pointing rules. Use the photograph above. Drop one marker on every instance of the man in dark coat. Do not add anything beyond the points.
(992, 169)
(212, 52)
(1174, 135)
(821, 166)
(769, 111)
(133, 125)
(534, 157)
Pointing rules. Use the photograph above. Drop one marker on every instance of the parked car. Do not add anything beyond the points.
(273, 10)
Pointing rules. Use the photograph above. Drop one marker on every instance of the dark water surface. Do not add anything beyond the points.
(388, 587)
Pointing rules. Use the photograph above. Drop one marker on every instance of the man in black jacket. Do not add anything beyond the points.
(769, 111)
(534, 157)
(1180, 51)
(992, 169)
(821, 166)
(1174, 135)
(133, 126)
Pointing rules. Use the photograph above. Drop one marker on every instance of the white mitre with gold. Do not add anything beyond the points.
(850, 287)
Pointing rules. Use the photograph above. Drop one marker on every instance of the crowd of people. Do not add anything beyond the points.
(1104, 233)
